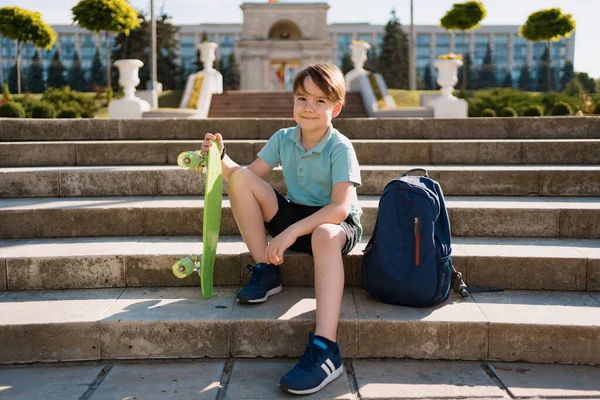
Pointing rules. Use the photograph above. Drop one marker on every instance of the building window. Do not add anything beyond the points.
(344, 42)
(188, 53)
(501, 56)
(442, 44)
(481, 45)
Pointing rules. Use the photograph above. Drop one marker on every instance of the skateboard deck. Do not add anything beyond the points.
(213, 195)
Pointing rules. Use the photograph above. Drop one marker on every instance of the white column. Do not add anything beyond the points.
(530, 54)
(452, 42)
(78, 46)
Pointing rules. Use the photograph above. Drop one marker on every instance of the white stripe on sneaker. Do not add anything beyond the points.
(325, 368)
(330, 364)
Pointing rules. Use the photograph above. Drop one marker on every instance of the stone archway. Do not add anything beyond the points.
(284, 29)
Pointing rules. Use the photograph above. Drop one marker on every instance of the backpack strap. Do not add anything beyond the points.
(415, 170)
(460, 286)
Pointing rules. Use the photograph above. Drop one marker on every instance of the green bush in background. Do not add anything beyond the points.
(12, 110)
(533, 111)
(488, 113)
(597, 108)
(67, 112)
(562, 108)
(43, 109)
(508, 112)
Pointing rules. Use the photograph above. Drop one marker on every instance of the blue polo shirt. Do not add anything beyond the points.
(309, 175)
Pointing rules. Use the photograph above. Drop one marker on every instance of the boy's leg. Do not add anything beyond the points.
(253, 202)
(328, 240)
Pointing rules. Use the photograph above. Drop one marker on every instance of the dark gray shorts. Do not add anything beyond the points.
(289, 213)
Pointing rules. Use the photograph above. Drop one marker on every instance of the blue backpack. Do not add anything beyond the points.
(408, 260)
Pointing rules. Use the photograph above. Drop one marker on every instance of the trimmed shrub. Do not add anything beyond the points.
(65, 97)
(12, 110)
(562, 108)
(488, 113)
(597, 108)
(43, 110)
(508, 112)
(534, 111)
(67, 112)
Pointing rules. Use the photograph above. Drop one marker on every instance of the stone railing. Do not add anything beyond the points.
(258, 128)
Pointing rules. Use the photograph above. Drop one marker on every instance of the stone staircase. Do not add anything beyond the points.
(93, 213)
(259, 104)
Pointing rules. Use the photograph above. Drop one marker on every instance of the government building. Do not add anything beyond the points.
(280, 36)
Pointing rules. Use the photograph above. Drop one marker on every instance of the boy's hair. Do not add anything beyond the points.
(328, 77)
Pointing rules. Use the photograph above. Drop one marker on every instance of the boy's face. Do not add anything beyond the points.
(312, 110)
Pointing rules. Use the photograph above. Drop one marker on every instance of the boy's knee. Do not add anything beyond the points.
(239, 179)
(327, 234)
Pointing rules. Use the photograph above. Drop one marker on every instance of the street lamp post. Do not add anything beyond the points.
(412, 73)
(153, 74)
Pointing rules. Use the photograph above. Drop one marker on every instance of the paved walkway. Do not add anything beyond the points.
(257, 379)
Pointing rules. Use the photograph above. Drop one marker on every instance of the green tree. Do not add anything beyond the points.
(470, 75)
(56, 72)
(508, 80)
(231, 75)
(568, 73)
(542, 75)
(464, 17)
(371, 64)
(487, 75)
(115, 16)
(525, 79)
(35, 78)
(393, 59)
(347, 64)
(587, 82)
(136, 45)
(428, 83)
(76, 75)
(548, 25)
(12, 79)
(97, 73)
(25, 27)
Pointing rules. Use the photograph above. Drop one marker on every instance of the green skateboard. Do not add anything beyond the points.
(213, 194)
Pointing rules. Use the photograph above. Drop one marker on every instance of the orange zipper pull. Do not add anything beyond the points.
(417, 242)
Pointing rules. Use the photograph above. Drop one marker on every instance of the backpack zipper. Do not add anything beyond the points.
(417, 241)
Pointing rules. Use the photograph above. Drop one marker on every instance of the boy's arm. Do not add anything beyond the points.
(342, 196)
(335, 212)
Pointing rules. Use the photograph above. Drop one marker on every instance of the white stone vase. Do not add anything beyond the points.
(129, 75)
(208, 54)
(129, 106)
(447, 75)
(359, 50)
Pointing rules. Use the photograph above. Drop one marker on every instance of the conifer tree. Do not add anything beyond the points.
(393, 60)
(76, 75)
(56, 72)
(35, 77)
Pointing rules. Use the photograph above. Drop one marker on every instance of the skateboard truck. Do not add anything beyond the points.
(187, 265)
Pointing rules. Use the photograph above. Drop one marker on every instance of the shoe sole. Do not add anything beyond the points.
(336, 374)
(270, 293)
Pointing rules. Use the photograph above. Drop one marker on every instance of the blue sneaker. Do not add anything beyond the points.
(319, 366)
(263, 282)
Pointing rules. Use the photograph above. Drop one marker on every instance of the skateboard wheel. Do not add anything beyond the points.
(183, 267)
(189, 160)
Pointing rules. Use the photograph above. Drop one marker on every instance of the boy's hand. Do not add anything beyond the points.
(279, 244)
(206, 144)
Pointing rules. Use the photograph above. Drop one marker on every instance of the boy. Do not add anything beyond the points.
(320, 215)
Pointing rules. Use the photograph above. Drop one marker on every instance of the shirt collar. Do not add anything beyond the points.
(297, 138)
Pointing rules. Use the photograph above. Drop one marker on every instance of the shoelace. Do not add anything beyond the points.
(309, 357)
(257, 274)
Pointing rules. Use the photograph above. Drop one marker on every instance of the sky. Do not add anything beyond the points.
(427, 12)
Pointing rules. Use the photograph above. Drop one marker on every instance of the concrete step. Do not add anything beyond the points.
(262, 128)
(108, 262)
(550, 217)
(236, 379)
(170, 180)
(142, 323)
(389, 152)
